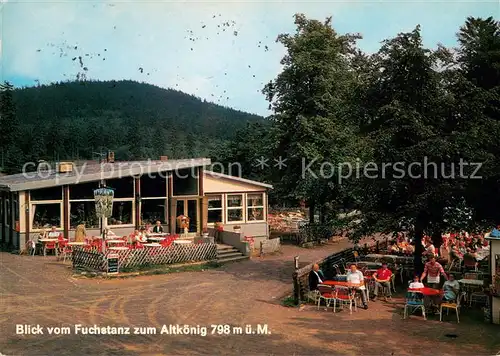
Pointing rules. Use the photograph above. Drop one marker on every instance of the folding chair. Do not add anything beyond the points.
(451, 305)
(413, 302)
(344, 296)
(327, 294)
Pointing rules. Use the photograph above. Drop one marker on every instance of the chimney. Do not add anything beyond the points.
(163, 158)
(111, 157)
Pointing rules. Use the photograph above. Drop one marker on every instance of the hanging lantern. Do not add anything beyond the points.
(104, 202)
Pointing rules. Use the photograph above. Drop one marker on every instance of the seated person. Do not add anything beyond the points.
(139, 236)
(451, 288)
(315, 277)
(356, 277)
(110, 234)
(416, 284)
(158, 229)
(430, 250)
(53, 233)
(383, 279)
(148, 228)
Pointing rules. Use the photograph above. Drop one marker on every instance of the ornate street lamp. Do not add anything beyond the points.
(103, 207)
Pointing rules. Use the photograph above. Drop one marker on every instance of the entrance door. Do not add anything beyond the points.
(189, 208)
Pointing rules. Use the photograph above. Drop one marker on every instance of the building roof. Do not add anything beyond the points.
(238, 179)
(91, 172)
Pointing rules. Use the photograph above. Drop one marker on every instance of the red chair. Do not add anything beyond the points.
(49, 246)
(65, 250)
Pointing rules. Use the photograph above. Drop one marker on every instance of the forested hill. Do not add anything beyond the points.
(72, 120)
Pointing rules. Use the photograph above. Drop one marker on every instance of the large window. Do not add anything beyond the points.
(83, 191)
(185, 182)
(82, 205)
(234, 208)
(153, 210)
(123, 187)
(83, 212)
(255, 207)
(46, 208)
(153, 186)
(122, 213)
(45, 215)
(52, 193)
(214, 208)
(123, 202)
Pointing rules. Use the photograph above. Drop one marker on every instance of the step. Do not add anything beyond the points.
(232, 259)
(226, 247)
(228, 250)
(229, 254)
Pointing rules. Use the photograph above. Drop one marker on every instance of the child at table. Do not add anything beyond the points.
(450, 289)
(416, 284)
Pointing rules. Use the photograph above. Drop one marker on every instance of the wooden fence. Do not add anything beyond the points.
(270, 246)
(130, 258)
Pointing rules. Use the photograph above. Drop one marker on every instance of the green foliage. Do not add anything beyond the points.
(11, 154)
(310, 99)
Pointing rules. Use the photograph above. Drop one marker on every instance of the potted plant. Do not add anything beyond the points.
(205, 232)
(219, 227)
(237, 229)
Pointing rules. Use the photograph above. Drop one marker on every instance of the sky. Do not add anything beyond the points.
(221, 51)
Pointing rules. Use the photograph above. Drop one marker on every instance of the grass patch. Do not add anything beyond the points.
(289, 302)
(162, 269)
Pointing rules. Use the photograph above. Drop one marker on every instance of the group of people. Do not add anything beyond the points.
(356, 279)
(454, 246)
(433, 271)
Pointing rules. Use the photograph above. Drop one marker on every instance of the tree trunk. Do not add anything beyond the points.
(311, 213)
(437, 239)
(419, 249)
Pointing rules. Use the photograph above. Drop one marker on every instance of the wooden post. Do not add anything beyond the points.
(12, 223)
(27, 222)
(3, 214)
(296, 283)
(66, 218)
(137, 183)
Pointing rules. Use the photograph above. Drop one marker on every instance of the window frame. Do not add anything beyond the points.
(222, 208)
(242, 208)
(263, 207)
(81, 201)
(165, 199)
(118, 200)
(174, 173)
(46, 202)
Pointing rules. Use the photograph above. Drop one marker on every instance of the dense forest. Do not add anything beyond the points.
(75, 120)
(349, 129)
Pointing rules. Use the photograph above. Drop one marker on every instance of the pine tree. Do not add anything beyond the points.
(10, 131)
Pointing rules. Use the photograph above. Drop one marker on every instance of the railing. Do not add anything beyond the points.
(130, 258)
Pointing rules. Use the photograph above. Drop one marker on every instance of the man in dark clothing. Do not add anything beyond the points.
(315, 277)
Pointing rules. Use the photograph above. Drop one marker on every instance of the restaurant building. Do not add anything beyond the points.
(144, 192)
(494, 239)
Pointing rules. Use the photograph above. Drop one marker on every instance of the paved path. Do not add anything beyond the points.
(38, 290)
